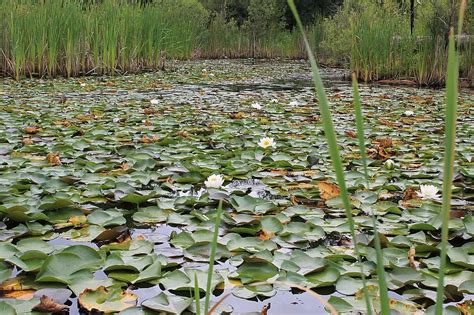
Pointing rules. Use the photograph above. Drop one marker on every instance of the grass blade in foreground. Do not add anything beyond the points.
(449, 146)
(384, 302)
(212, 256)
(332, 144)
(196, 295)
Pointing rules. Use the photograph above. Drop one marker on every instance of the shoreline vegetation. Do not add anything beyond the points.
(379, 41)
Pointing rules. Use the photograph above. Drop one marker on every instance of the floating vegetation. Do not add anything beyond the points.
(104, 204)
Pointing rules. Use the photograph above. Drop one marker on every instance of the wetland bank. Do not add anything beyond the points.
(103, 195)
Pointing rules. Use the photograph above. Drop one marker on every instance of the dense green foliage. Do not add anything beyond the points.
(122, 153)
(376, 39)
(75, 37)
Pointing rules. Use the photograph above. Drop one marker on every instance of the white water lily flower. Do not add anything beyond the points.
(83, 84)
(211, 75)
(274, 100)
(154, 101)
(294, 103)
(409, 113)
(428, 192)
(267, 142)
(256, 105)
(214, 181)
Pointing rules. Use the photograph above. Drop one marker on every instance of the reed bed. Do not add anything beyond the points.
(77, 37)
(70, 38)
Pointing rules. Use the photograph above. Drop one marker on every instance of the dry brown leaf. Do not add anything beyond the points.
(382, 154)
(328, 190)
(379, 153)
(85, 117)
(384, 142)
(350, 134)
(48, 305)
(294, 200)
(457, 214)
(409, 194)
(264, 235)
(411, 257)
(301, 186)
(422, 100)
(27, 141)
(53, 159)
(64, 123)
(149, 111)
(182, 133)
(466, 307)
(121, 168)
(388, 123)
(32, 129)
(147, 122)
(124, 166)
(238, 115)
(265, 309)
(146, 139)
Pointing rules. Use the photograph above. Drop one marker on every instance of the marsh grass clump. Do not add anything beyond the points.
(71, 38)
(375, 39)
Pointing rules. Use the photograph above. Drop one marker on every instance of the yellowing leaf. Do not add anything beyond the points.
(27, 141)
(32, 129)
(328, 190)
(264, 235)
(53, 159)
(302, 186)
(14, 284)
(19, 295)
(78, 220)
(107, 301)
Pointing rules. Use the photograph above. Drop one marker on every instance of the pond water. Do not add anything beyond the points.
(102, 184)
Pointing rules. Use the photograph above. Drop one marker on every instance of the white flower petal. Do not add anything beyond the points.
(214, 181)
(294, 103)
(428, 192)
(256, 105)
(267, 142)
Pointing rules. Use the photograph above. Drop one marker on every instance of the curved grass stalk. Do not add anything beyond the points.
(197, 299)
(212, 257)
(449, 147)
(332, 144)
(384, 302)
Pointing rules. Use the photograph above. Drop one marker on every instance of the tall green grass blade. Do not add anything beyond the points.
(384, 302)
(448, 170)
(332, 144)
(212, 256)
(196, 295)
